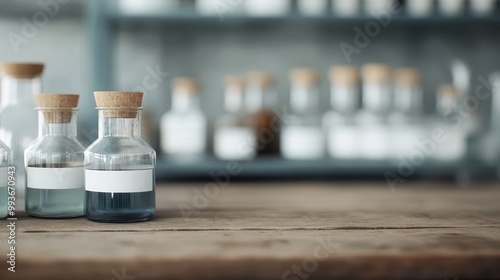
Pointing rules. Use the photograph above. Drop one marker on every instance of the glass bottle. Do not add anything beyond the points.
(119, 165)
(18, 124)
(376, 106)
(234, 135)
(184, 128)
(341, 128)
(4, 175)
(260, 100)
(451, 123)
(406, 120)
(302, 135)
(54, 161)
(346, 8)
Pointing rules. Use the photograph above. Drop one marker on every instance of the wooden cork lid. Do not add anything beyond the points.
(57, 108)
(260, 78)
(407, 77)
(186, 85)
(376, 72)
(118, 104)
(303, 76)
(344, 74)
(235, 82)
(448, 90)
(22, 70)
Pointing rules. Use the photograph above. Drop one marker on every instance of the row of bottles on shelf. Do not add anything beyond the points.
(376, 114)
(314, 7)
(113, 180)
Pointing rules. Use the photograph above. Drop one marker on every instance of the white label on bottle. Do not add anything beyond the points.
(302, 142)
(343, 141)
(3, 177)
(55, 178)
(235, 143)
(127, 181)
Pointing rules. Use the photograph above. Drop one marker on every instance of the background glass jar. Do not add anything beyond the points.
(54, 164)
(4, 168)
(119, 165)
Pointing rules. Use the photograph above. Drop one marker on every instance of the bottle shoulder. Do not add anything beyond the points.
(55, 145)
(120, 146)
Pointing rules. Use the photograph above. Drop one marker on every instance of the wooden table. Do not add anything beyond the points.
(277, 231)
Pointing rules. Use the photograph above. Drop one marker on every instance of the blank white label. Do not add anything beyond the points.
(302, 142)
(55, 178)
(128, 181)
(3, 177)
(235, 143)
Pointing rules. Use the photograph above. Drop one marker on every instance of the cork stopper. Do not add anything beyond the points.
(375, 72)
(448, 90)
(344, 74)
(235, 83)
(118, 104)
(407, 77)
(22, 70)
(186, 85)
(260, 78)
(57, 108)
(303, 76)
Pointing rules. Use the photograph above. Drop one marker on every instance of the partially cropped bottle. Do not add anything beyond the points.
(302, 136)
(18, 124)
(119, 165)
(54, 161)
(406, 120)
(4, 175)
(342, 130)
(234, 135)
(184, 127)
(376, 107)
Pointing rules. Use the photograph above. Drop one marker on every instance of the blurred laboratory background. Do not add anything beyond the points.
(285, 89)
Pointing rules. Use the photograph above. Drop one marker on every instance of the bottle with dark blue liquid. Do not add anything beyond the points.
(119, 165)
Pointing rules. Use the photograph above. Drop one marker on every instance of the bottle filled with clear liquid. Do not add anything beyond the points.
(5, 169)
(234, 135)
(184, 127)
(119, 165)
(54, 161)
(340, 125)
(302, 135)
(18, 124)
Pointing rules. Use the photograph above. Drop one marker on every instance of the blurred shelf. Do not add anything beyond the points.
(277, 168)
(190, 16)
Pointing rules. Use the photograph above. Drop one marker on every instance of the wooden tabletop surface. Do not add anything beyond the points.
(276, 231)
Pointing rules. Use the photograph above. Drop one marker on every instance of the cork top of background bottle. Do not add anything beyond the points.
(260, 78)
(186, 85)
(304, 77)
(119, 104)
(235, 82)
(344, 75)
(57, 108)
(376, 72)
(22, 70)
(407, 77)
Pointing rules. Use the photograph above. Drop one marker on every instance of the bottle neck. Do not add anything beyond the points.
(53, 122)
(120, 123)
(233, 100)
(377, 97)
(345, 98)
(408, 99)
(19, 90)
(184, 101)
(258, 97)
(304, 98)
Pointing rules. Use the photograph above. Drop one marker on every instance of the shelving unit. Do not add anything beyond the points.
(103, 22)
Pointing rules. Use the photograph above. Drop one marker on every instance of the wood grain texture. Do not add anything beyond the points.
(349, 231)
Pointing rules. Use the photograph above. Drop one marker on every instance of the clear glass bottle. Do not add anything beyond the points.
(455, 145)
(346, 8)
(260, 100)
(376, 107)
(184, 128)
(267, 8)
(54, 161)
(302, 136)
(341, 128)
(4, 175)
(312, 7)
(119, 165)
(406, 120)
(18, 124)
(234, 135)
